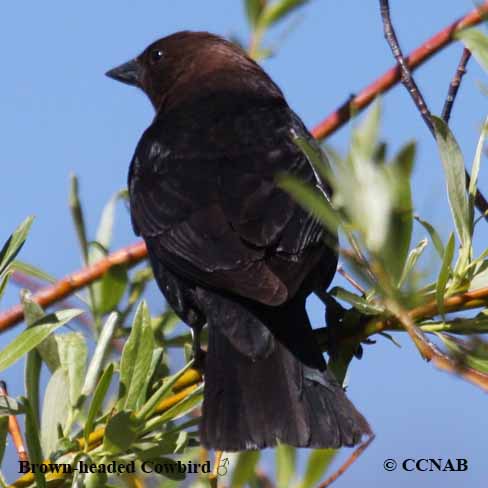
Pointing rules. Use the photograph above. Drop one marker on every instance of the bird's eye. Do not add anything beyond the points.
(156, 55)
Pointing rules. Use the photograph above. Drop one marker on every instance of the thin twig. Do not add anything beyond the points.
(351, 280)
(406, 74)
(416, 58)
(349, 461)
(454, 85)
(14, 429)
(412, 88)
(430, 352)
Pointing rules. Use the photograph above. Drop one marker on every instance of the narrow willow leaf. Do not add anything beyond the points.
(33, 362)
(33, 271)
(77, 215)
(317, 465)
(4, 279)
(33, 443)
(411, 261)
(356, 301)
(278, 10)
(253, 11)
(245, 468)
(475, 172)
(136, 359)
(285, 465)
(3, 435)
(312, 200)
(434, 235)
(395, 248)
(103, 344)
(111, 288)
(33, 336)
(14, 244)
(477, 42)
(73, 353)
(181, 408)
(365, 136)
(454, 169)
(444, 273)
(151, 404)
(475, 358)
(97, 401)
(121, 431)
(55, 410)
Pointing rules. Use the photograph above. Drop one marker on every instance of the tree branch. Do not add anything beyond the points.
(128, 256)
(454, 85)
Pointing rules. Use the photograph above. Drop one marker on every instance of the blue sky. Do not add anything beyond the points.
(61, 115)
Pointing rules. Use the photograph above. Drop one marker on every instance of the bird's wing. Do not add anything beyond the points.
(217, 217)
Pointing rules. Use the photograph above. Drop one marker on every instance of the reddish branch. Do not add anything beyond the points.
(127, 256)
(14, 429)
(133, 254)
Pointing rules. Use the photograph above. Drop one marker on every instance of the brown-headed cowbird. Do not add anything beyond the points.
(229, 248)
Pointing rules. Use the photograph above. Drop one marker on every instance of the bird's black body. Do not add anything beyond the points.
(231, 249)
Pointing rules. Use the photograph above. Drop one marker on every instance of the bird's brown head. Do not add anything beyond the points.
(188, 65)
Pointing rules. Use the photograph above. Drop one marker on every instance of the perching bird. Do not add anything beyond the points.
(229, 248)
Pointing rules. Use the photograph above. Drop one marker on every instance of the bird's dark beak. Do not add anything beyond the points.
(129, 73)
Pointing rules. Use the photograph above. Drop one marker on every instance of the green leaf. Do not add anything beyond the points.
(151, 404)
(14, 244)
(55, 410)
(33, 443)
(278, 10)
(121, 431)
(253, 10)
(396, 246)
(10, 406)
(73, 353)
(4, 279)
(111, 288)
(434, 235)
(477, 43)
(356, 301)
(103, 345)
(33, 362)
(472, 355)
(136, 359)
(77, 215)
(454, 169)
(411, 261)
(33, 336)
(180, 409)
(317, 465)
(3, 435)
(31, 270)
(365, 136)
(444, 273)
(245, 468)
(97, 401)
(312, 200)
(285, 465)
(475, 172)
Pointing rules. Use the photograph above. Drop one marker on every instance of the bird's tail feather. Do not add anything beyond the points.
(266, 381)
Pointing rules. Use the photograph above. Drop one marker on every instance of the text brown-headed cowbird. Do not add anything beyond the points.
(229, 248)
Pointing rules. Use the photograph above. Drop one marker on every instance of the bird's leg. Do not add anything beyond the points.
(197, 352)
